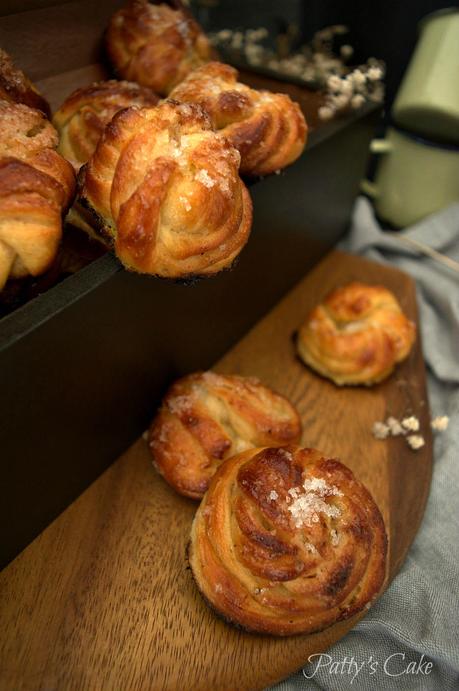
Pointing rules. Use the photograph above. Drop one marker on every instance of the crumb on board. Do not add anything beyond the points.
(395, 426)
(411, 424)
(415, 441)
(380, 430)
(440, 423)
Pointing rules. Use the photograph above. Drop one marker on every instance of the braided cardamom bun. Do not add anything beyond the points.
(287, 541)
(357, 335)
(82, 117)
(268, 129)
(205, 418)
(36, 187)
(165, 190)
(155, 45)
(15, 87)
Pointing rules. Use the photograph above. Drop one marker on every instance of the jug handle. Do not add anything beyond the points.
(377, 146)
(369, 188)
(380, 146)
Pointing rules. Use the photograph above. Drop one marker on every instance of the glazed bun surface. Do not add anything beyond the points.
(82, 118)
(357, 335)
(155, 45)
(206, 418)
(268, 129)
(15, 87)
(165, 190)
(287, 541)
(36, 188)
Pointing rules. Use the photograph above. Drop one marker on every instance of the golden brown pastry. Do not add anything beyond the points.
(165, 190)
(206, 418)
(36, 187)
(287, 541)
(268, 129)
(155, 45)
(15, 87)
(82, 117)
(357, 335)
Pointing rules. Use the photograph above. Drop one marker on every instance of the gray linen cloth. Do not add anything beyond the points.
(417, 619)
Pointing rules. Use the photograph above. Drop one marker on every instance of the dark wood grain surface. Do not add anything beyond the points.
(103, 598)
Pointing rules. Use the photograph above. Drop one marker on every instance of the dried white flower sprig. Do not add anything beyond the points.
(315, 63)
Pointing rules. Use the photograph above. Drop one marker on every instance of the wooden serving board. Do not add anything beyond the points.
(103, 598)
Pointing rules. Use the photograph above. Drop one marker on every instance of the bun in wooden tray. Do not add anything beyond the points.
(206, 418)
(155, 45)
(15, 87)
(357, 335)
(268, 129)
(287, 541)
(82, 117)
(36, 188)
(164, 190)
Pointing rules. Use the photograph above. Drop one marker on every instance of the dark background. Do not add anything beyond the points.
(385, 29)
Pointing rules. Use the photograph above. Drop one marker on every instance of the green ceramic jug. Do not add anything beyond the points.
(415, 177)
(427, 102)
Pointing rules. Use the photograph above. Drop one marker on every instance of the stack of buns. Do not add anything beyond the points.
(159, 182)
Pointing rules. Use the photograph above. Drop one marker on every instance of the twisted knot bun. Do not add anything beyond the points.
(205, 418)
(15, 87)
(82, 117)
(287, 541)
(36, 187)
(155, 45)
(357, 335)
(165, 190)
(267, 129)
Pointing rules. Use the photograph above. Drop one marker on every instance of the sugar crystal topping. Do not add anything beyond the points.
(204, 178)
(185, 202)
(309, 501)
(179, 404)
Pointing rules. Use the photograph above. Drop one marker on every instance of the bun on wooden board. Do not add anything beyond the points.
(287, 541)
(357, 335)
(205, 418)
